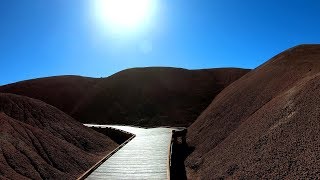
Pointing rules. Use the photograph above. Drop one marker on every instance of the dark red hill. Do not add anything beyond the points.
(140, 96)
(263, 126)
(54, 89)
(38, 141)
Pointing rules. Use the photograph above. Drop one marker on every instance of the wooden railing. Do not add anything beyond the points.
(94, 167)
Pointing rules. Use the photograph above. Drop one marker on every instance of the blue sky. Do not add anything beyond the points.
(41, 38)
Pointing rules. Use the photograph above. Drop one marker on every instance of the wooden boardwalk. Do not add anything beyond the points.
(145, 157)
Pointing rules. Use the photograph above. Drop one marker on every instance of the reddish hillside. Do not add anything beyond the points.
(38, 141)
(53, 89)
(264, 125)
(140, 96)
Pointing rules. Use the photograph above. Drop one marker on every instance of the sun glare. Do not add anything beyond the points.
(124, 15)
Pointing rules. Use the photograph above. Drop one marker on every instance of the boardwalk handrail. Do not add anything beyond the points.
(136, 126)
(175, 133)
(94, 167)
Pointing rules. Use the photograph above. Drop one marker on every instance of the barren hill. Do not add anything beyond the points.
(139, 96)
(38, 141)
(62, 92)
(264, 125)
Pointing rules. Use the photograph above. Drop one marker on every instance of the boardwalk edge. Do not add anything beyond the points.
(94, 167)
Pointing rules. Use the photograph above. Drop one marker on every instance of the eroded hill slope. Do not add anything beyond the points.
(140, 96)
(264, 125)
(38, 141)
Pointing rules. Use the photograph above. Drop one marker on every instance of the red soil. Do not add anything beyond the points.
(62, 92)
(38, 141)
(264, 125)
(139, 96)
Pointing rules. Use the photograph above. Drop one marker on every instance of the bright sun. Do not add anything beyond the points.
(124, 15)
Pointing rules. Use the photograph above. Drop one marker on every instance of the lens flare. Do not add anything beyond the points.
(124, 15)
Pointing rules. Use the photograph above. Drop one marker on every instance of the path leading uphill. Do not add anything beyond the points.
(146, 156)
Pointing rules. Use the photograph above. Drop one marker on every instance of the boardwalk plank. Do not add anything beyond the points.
(144, 157)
